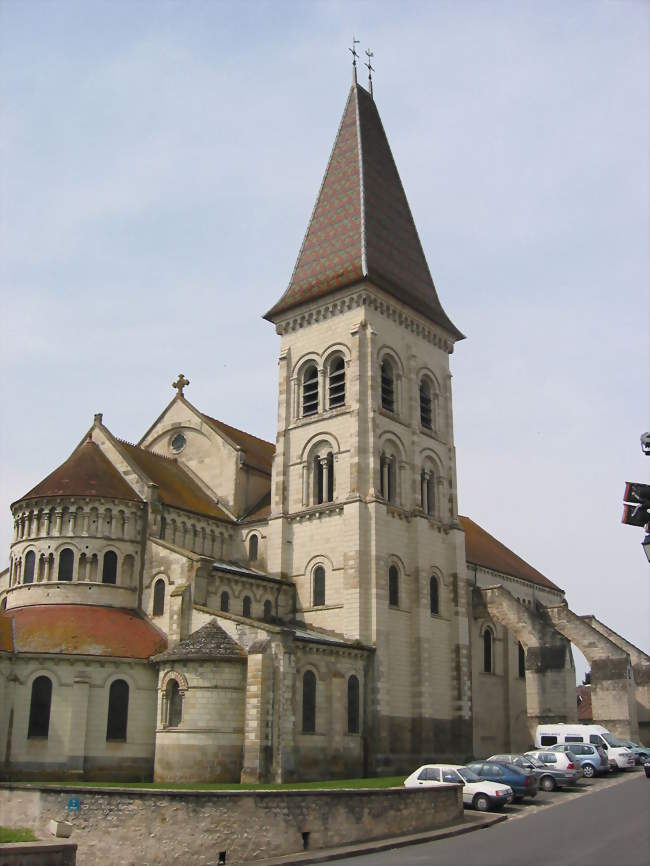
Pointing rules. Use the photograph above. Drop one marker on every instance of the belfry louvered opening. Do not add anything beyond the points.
(337, 383)
(387, 385)
(310, 391)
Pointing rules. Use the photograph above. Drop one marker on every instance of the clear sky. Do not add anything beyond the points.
(158, 168)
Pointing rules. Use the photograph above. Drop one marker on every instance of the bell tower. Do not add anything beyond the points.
(363, 505)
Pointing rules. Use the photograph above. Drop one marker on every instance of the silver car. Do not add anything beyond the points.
(561, 768)
(593, 759)
(548, 775)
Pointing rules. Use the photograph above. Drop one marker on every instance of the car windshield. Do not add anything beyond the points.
(536, 763)
(613, 741)
(469, 775)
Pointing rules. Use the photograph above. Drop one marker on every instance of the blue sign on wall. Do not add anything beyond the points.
(74, 804)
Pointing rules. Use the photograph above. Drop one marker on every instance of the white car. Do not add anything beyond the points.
(477, 792)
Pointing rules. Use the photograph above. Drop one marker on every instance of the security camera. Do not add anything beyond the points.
(645, 443)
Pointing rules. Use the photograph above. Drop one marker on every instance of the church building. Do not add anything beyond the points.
(208, 606)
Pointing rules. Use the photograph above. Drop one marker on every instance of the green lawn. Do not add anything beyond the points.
(16, 834)
(380, 782)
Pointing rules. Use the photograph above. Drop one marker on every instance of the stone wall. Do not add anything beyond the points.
(38, 854)
(129, 827)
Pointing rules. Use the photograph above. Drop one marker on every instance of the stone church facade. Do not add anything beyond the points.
(206, 605)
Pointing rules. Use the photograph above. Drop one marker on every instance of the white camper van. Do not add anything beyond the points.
(617, 752)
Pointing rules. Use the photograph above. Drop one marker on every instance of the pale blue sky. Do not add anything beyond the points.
(159, 164)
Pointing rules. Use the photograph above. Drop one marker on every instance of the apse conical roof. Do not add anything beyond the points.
(86, 472)
(362, 226)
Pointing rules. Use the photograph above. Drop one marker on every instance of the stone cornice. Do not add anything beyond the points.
(372, 298)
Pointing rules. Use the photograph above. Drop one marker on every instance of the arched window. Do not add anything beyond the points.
(268, 611)
(109, 567)
(30, 564)
(427, 491)
(66, 564)
(246, 606)
(323, 478)
(174, 700)
(310, 390)
(522, 660)
(39, 708)
(118, 710)
(425, 404)
(387, 477)
(225, 602)
(487, 651)
(128, 567)
(337, 382)
(308, 703)
(319, 586)
(393, 586)
(252, 547)
(353, 705)
(434, 595)
(387, 385)
(159, 597)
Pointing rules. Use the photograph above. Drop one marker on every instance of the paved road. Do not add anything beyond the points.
(600, 826)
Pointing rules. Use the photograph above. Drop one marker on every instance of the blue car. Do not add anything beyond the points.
(592, 759)
(522, 781)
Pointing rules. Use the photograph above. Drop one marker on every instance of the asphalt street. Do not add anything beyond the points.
(607, 826)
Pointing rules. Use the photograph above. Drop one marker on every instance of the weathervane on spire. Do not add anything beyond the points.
(353, 51)
(370, 67)
(180, 383)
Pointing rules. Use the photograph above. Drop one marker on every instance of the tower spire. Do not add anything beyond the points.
(353, 51)
(370, 68)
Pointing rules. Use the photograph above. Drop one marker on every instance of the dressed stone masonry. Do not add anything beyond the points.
(206, 605)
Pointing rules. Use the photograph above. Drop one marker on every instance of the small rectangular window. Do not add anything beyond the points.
(569, 739)
(548, 740)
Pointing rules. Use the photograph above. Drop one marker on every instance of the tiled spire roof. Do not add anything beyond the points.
(361, 226)
(86, 472)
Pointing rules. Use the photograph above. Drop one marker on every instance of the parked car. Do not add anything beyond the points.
(641, 753)
(592, 759)
(548, 775)
(479, 793)
(566, 763)
(618, 754)
(522, 781)
(646, 767)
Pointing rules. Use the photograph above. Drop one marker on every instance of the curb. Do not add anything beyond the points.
(469, 825)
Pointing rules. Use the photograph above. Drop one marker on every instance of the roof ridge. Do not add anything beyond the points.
(238, 430)
(147, 450)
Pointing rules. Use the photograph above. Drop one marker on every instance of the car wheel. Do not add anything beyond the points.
(481, 803)
(588, 771)
(547, 783)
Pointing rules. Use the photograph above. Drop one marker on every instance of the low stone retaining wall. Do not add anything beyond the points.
(38, 854)
(126, 827)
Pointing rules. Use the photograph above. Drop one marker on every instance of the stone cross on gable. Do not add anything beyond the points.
(180, 383)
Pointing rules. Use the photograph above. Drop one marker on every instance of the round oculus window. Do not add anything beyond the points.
(178, 442)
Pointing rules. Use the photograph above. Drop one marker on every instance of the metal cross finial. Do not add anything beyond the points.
(353, 51)
(370, 67)
(180, 383)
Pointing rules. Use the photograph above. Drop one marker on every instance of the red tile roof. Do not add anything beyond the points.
(77, 629)
(484, 549)
(258, 452)
(175, 487)
(87, 472)
(362, 226)
(6, 640)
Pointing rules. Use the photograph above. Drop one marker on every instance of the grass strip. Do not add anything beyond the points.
(376, 782)
(16, 834)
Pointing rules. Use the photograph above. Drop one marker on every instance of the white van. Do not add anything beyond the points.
(617, 752)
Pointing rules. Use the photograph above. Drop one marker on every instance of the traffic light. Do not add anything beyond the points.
(636, 504)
